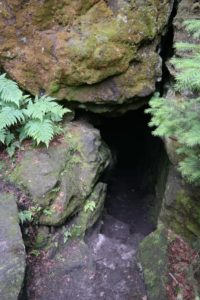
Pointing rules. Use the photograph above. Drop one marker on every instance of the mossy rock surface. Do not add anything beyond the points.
(154, 260)
(91, 212)
(106, 49)
(181, 207)
(12, 250)
(61, 178)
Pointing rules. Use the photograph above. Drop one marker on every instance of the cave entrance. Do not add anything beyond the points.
(137, 160)
(129, 214)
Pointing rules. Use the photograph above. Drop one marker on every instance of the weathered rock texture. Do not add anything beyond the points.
(94, 51)
(12, 250)
(180, 210)
(62, 179)
(154, 258)
(64, 273)
(181, 207)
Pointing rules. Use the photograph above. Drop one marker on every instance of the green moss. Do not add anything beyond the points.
(16, 176)
(77, 231)
(194, 228)
(153, 258)
(184, 216)
(184, 200)
(41, 240)
(54, 88)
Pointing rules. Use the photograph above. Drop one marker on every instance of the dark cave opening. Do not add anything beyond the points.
(129, 214)
(136, 162)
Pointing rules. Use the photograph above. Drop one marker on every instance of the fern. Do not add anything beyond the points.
(45, 106)
(187, 47)
(179, 118)
(25, 216)
(37, 119)
(10, 116)
(9, 91)
(40, 131)
(193, 27)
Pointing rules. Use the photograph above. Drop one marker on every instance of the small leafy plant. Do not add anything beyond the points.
(36, 118)
(34, 252)
(33, 214)
(25, 216)
(179, 118)
(47, 212)
(66, 235)
(90, 205)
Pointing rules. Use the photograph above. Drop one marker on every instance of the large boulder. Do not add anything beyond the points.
(12, 250)
(94, 51)
(62, 179)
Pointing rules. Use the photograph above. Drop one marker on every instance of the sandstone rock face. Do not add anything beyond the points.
(154, 258)
(180, 205)
(65, 177)
(12, 250)
(88, 51)
(181, 209)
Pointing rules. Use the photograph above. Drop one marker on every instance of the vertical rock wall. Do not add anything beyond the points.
(171, 271)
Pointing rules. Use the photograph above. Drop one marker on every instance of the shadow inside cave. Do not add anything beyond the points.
(137, 160)
(129, 215)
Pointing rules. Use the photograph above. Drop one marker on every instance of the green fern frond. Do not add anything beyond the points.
(193, 27)
(43, 106)
(22, 134)
(10, 116)
(9, 91)
(181, 118)
(2, 136)
(191, 137)
(9, 138)
(186, 63)
(187, 47)
(189, 167)
(40, 131)
(38, 118)
(188, 79)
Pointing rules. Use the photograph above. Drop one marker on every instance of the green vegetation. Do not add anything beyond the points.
(25, 216)
(66, 235)
(90, 205)
(37, 118)
(33, 214)
(178, 118)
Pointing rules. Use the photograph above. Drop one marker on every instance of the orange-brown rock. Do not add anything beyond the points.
(83, 50)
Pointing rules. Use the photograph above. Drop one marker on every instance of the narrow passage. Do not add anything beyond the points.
(128, 215)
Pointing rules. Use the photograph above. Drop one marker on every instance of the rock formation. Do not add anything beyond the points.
(102, 56)
(90, 52)
(12, 250)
